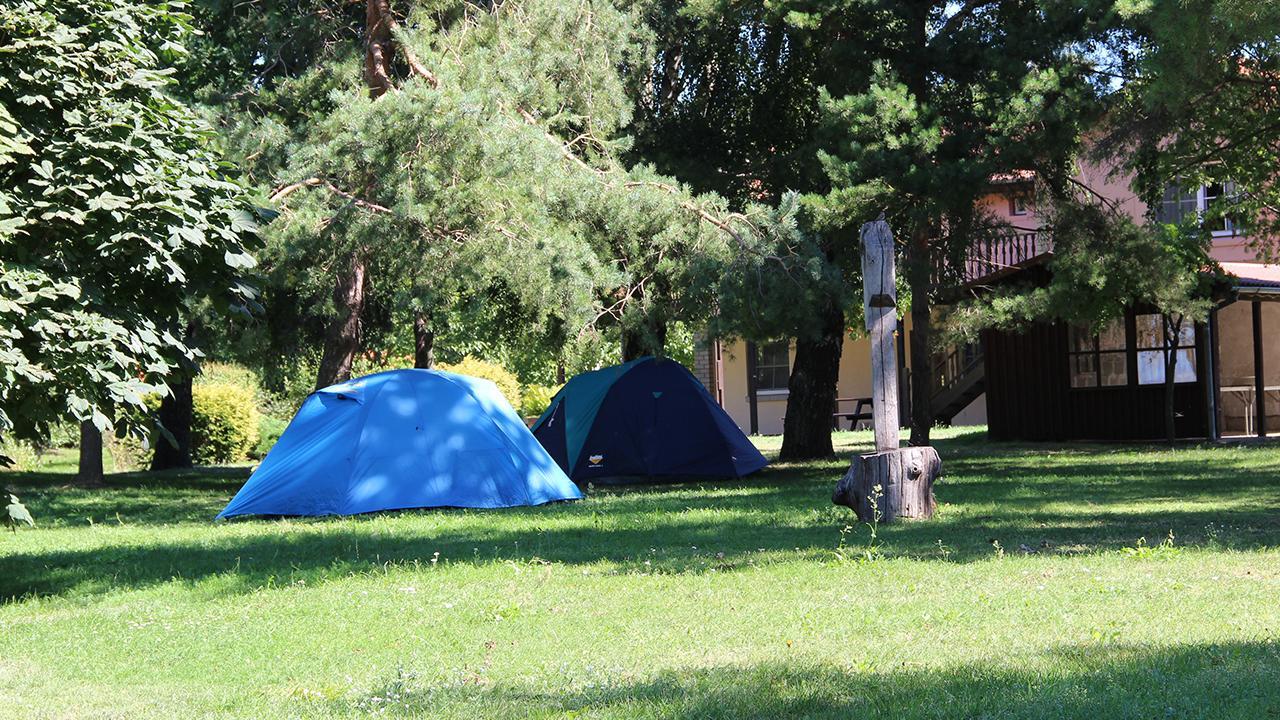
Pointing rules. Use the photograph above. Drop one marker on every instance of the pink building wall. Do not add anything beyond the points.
(1232, 247)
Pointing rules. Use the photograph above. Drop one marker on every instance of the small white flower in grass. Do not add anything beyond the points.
(409, 589)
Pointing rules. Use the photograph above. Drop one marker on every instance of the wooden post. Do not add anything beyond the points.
(892, 482)
(880, 306)
(1215, 377)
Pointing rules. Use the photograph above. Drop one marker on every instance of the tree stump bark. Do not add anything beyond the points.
(891, 484)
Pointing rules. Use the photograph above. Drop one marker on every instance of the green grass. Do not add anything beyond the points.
(722, 600)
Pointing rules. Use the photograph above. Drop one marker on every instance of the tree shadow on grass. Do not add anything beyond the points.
(1093, 500)
(1228, 680)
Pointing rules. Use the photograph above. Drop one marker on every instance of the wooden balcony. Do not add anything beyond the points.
(993, 259)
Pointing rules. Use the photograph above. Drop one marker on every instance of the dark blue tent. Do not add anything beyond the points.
(402, 439)
(647, 418)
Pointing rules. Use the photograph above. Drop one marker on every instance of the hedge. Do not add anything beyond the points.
(224, 425)
(507, 383)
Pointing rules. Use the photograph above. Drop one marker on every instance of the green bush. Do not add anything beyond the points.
(65, 434)
(23, 456)
(534, 399)
(269, 431)
(287, 383)
(215, 373)
(224, 426)
(507, 383)
(129, 453)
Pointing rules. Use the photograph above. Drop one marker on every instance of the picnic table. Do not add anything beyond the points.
(861, 411)
(1249, 398)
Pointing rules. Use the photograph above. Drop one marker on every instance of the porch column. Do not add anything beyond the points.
(1259, 377)
(1214, 381)
(751, 388)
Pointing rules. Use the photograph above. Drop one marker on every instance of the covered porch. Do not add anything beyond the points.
(1244, 397)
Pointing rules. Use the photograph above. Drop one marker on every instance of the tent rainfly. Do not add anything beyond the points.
(647, 418)
(402, 439)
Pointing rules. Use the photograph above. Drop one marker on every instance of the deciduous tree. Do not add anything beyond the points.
(116, 214)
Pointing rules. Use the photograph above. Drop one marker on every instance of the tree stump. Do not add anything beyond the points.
(905, 478)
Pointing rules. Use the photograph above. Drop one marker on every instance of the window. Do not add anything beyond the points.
(1152, 341)
(1098, 360)
(1018, 205)
(1218, 197)
(1179, 203)
(773, 367)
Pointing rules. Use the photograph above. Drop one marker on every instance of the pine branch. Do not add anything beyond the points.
(284, 192)
(415, 65)
(952, 22)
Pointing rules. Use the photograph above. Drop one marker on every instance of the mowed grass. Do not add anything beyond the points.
(1047, 587)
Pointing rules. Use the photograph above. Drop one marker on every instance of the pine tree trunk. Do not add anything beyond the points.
(649, 339)
(424, 341)
(918, 276)
(90, 455)
(175, 415)
(806, 430)
(378, 47)
(342, 339)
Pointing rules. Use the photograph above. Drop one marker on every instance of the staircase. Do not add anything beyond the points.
(958, 380)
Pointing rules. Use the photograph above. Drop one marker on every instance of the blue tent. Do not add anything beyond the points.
(402, 439)
(646, 418)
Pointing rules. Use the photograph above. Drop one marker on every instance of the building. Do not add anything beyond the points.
(1053, 382)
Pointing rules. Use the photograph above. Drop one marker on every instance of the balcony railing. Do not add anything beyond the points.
(1000, 256)
(953, 363)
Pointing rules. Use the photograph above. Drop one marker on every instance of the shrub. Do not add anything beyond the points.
(224, 426)
(507, 383)
(287, 383)
(269, 431)
(23, 456)
(229, 374)
(534, 399)
(64, 434)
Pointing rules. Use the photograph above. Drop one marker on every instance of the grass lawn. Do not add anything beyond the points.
(1033, 594)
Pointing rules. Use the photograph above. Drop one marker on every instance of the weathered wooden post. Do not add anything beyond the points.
(891, 482)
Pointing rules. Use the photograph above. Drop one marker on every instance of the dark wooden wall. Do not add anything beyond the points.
(1029, 394)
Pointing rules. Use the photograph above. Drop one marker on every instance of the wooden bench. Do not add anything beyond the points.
(861, 411)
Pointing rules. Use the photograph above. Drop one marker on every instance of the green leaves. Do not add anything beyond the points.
(134, 218)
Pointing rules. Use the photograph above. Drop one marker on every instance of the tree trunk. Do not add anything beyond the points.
(806, 430)
(1172, 331)
(378, 47)
(424, 341)
(90, 455)
(649, 339)
(891, 484)
(176, 410)
(560, 379)
(342, 339)
(918, 276)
